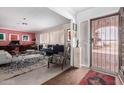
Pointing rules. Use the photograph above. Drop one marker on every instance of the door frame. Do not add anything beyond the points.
(109, 15)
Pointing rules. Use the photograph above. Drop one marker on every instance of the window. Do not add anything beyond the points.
(25, 38)
(2, 36)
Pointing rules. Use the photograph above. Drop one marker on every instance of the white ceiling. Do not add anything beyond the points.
(76, 10)
(37, 18)
(69, 12)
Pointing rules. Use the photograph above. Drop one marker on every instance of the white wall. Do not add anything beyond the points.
(86, 16)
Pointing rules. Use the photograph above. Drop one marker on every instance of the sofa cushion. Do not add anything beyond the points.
(5, 57)
(2, 51)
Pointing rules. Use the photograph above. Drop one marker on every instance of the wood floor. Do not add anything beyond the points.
(71, 76)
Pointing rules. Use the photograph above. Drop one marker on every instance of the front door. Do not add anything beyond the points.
(104, 45)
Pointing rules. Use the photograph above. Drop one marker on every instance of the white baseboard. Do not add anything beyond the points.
(82, 65)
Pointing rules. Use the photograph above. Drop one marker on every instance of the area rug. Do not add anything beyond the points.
(5, 74)
(96, 78)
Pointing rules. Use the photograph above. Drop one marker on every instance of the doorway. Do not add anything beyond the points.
(104, 43)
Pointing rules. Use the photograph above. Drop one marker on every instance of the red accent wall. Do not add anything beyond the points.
(7, 32)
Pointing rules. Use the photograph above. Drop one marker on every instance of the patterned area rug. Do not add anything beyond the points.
(6, 72)
(96, 78)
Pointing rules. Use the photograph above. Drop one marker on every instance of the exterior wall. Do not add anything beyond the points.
(8, 32)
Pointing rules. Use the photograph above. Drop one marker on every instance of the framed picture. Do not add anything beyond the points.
(13, 37)
(2, 36)
(69, 35)
(25, 37)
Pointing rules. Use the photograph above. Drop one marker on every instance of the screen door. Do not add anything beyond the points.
(104, 43)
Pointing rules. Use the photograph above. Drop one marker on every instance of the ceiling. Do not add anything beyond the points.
(75, 10)
(29, 18)
(36, 18)
(69, 12)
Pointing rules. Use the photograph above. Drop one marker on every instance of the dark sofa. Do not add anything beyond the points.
(58, 48)
(53, 49)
